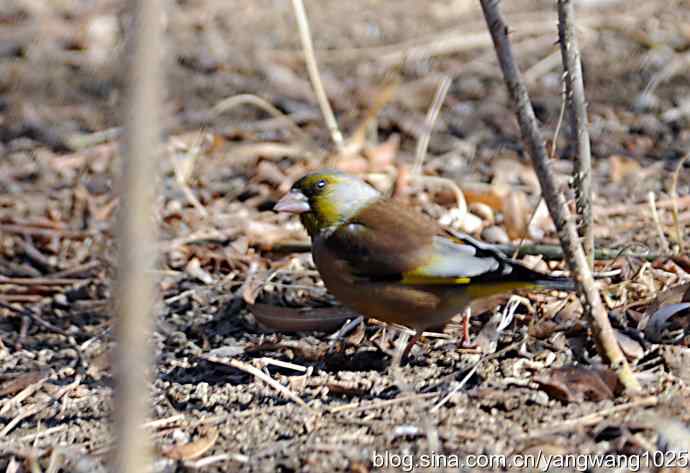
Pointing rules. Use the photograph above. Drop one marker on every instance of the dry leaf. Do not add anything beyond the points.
(631, 348)
(669, 323)
(191, 450)
(516, 214)
(579, 383)
(483, 211)
(14, 385)
(285, 319)
(543, 329)
(491, 195)
(195, 270)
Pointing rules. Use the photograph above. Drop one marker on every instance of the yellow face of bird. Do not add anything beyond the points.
(325, 199)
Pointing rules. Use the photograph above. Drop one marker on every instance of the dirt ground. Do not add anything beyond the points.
(229, 267)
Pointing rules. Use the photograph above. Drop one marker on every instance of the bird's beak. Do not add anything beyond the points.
(294, 202)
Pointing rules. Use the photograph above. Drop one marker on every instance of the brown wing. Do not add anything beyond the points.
(385, 240)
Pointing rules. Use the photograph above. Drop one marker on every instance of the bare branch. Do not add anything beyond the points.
(577, 111)
(567, 232)
(134, 295)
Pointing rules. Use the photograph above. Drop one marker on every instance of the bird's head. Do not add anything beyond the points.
(325, 199)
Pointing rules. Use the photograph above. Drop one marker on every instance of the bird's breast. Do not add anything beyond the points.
(418, 307)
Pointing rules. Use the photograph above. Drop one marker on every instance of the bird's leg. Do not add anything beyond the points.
(466, 341)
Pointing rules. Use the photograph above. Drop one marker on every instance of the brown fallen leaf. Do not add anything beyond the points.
(543, 329)
(195, 270)
(630, 347)
(191, 450)
(24, 380)
(684, 262)
(579, 383)
(286, 319)
(487, 194)
(516, 214)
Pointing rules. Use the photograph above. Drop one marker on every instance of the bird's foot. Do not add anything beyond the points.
(466, 339)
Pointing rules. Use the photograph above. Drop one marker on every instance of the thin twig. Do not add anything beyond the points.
(369, 406)
(657, 222)
(627, 209)
(561, 114)
(572, 66)
(674, 199)
(45, 281)
(257, 373)
(35, 318)
(36, 408)
(539, 69)
(444, 181)
(471, 372)
(242, 99)
(431, 116)
(567, 232)
(591, 419)
(313, 70)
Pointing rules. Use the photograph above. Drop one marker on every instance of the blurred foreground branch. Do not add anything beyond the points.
(577, 111)
(134, 295)
(567, 232)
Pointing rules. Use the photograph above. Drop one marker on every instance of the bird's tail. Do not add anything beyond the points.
(555, 282)
(558, 283)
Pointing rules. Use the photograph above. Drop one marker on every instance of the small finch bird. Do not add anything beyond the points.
(392, 263)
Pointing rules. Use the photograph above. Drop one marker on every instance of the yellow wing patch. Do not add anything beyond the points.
(416, 279)
(488, 289)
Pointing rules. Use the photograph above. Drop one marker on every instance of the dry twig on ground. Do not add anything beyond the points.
(134, 296)
(567, 232)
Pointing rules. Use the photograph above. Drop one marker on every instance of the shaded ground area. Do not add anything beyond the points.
(230, 269)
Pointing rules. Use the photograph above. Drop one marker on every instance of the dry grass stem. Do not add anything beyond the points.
(250, 99)
(657, 223)
(445, 182)
(674, 199)
(257, 373)
(471, 372)
(593, 418)
(315, 77)
(431, 117)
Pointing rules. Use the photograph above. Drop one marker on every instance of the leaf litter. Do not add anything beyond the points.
(244, 326)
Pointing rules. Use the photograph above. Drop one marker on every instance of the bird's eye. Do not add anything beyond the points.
(321, 184)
